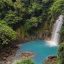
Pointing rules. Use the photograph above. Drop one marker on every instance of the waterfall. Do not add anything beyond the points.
(55, 32)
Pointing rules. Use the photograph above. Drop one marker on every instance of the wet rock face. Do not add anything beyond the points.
(52, 57)
(51, 60)
(27, 55)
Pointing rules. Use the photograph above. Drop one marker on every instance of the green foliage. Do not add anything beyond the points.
(57, 7)
(31, 22)
(24, 15)
(6, 34)
(62, 30)
(61, 54)
(34, 9)
(62, 33)
(9, 2)
(45, 1)
(28, 61)
(18, 5)
(2, 8)
(11, 18)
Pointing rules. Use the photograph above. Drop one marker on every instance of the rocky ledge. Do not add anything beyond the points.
(26, 55)
(51, 60)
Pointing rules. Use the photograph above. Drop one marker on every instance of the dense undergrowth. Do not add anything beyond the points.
(25, 18)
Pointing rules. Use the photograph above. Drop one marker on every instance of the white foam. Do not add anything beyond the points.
(55, 32)
(52, 43)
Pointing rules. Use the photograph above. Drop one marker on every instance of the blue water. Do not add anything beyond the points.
(40, 49)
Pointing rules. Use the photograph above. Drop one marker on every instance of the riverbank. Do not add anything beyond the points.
(51, 60)
(7, 52)
(14, 51)
(10, 50)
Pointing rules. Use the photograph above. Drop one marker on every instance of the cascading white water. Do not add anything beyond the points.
(55, 33)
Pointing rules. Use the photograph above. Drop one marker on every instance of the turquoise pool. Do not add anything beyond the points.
(39, 48)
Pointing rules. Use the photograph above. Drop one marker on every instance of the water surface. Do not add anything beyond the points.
(40, 50)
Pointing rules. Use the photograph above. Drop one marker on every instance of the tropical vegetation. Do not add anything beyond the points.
(25, 18)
